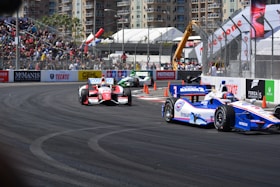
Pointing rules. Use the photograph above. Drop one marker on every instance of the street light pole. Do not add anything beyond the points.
(122, 34)
(148, 47)
(17, 42)
(160, 50)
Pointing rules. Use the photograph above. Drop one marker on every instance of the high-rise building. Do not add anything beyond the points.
(138, 13)
(52, 7)
(91, 13)
(153, 13)
(34, 8)
(207, 13)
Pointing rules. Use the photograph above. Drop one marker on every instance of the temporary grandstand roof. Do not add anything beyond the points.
(264, 46)
(143, 35)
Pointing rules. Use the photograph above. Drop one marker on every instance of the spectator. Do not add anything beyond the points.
(71, 66)
(213, 70)
(153, 66)
(123, 57)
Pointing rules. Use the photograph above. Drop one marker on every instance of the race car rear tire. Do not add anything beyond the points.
(136, 83)
(169, 109)
(277, 111)
(224, 118)
(127, 92)
(84, 96)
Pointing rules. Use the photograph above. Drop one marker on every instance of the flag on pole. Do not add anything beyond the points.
(257, 18)
(91, 39)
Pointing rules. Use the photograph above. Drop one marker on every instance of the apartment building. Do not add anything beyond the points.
(207, 13)
(91, 13)
(138, 13)
(35, 8)
(153, 13)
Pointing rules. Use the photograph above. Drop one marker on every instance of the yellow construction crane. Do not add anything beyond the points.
(178, 53)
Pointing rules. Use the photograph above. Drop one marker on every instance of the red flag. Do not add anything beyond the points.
(92, 37)
(86, 48)
(257, 18)
(99, 33)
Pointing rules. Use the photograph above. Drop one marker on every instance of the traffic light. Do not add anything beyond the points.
(9, 6)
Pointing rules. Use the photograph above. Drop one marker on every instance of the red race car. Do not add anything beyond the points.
(103, 90)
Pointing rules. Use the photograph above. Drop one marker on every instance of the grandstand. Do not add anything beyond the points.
(241, 55)
(41, 47)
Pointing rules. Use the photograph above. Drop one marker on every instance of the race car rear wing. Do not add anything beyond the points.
(188, 90)
(93, 81)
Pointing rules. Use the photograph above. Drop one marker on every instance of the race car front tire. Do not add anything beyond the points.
(169, 109)
(127, 92)
(84, 96)
(224, 118)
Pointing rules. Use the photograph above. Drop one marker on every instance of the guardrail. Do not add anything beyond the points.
(243, 88)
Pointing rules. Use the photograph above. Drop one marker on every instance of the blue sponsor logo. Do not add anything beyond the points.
(179, 105)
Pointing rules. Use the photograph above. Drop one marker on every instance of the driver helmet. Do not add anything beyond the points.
(132, 73)
(103, 78)
(228, 95)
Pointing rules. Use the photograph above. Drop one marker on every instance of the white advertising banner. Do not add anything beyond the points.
(59, 75)
(272, 15)
(234, 85)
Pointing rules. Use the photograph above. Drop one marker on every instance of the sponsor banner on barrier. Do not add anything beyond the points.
(165, 75)
(4, 76)
(234, 85)
(27, 76)
(255, 89)
(111, 74)
(269, 90)
(84, 75)
(122, 73)
(58, 75)
(183, 75)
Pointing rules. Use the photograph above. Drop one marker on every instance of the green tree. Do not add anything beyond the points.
(64, 23)
(107, 34)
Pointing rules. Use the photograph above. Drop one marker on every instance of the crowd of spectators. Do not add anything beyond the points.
(41, 47)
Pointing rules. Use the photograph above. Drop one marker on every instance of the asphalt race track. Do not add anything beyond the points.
(51, 140)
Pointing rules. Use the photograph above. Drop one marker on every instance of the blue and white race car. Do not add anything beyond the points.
(245, 116)
(219, 108)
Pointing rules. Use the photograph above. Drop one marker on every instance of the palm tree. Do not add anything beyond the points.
(67, 25)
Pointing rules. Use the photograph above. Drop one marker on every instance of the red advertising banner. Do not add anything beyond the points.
(166, 75)
(4, 76)
(257, 18)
